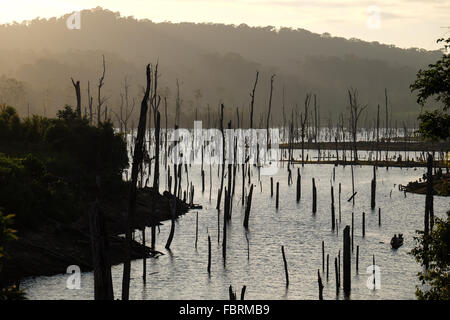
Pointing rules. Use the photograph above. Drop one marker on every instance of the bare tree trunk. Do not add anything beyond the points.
(103, 288)
(76, 85)
(355, 111)
(270, 109)
(100, 100)
(284, 118)
(165, 133)
(137, 162)
(387, 135)
(90, 103)
(378, 134)
(157, 134)
(252, 103)
(223, 157)
(303, 121)
(173, 212)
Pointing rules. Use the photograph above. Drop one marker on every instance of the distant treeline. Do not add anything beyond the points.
(213, 63)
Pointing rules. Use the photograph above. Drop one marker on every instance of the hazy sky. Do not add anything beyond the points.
(405, 23)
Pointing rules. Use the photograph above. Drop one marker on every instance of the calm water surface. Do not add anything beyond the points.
(182, 272)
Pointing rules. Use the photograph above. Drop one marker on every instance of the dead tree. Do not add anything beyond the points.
(248, 207)
(138, 157)
(76, 85)
(252, 103)
(373, 188)
(341, 120)
(319, 280)
(286, 272)
(429, 214)
(173, 213)
(103, 288)
(355, 112)
(99, 97)
(284, 117)
(165, 133)
(270, 109)
(378, 135)
(90, 103)
(316, 127)
(223, 157)
(347, 260)
(303, 122)
(155, 102)
(127, 112)
(387, 133)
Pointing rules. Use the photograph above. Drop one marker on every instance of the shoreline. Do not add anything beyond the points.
(54, 246)
(379, 163)
(381, 146)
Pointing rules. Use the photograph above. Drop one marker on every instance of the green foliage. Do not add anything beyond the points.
(34, 129)
(56, 164)
(9, 122)
(437, 276)
(8, 234)
(12, 293)
(434, 125)
(435, 81)
(28, 189)
(84, 151)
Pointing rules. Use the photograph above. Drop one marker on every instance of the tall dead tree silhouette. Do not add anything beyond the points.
(138, 156)
(126, 109)
(90, 103)
(219, 197)
(355, 112)
(76, 85)
(303, 123)
(252, 103)
(270, 109)
(100, 100)
(155, 102)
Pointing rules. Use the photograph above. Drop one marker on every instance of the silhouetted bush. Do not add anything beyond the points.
(56, 165)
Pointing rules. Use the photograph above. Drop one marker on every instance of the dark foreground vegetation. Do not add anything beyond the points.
(432, 244)
(51, 171)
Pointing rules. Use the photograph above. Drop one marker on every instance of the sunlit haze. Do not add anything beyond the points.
(404, 23)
